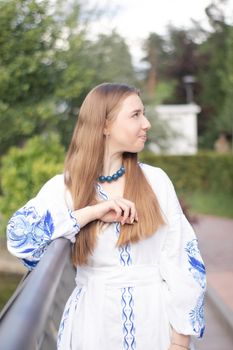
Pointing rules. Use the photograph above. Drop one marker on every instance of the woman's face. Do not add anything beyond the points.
(128, 132)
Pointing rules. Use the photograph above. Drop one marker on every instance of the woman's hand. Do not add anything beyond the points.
(117, 209)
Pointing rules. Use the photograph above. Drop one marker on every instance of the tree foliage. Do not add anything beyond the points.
(47, 65)
(224, 122)
(88, 63)
(111, 59)
(27, 67)
(214, 76)
(157, 58)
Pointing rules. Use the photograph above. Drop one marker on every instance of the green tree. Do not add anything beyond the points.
(214, 74)
(206, 55)
(153, 47)
(27, 69)
(44, 68)
(86, 64)
(183, 62)
(47, 66)
(74, 62)
(224, 120)
(111, 59)
(169, 59)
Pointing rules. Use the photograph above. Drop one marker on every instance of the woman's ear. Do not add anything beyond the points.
(106, 132)
(106, 128)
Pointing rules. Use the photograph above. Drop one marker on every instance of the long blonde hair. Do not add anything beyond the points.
(84, 164)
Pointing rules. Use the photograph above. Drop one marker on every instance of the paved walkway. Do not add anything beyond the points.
(215, 236)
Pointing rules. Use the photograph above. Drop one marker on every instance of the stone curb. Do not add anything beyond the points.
(225, 312)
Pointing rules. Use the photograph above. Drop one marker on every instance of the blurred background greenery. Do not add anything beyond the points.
(48, 62)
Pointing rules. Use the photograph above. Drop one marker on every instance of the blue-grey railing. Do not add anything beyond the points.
(31, 319)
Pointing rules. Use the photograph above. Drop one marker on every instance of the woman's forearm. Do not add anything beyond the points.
(180, 339)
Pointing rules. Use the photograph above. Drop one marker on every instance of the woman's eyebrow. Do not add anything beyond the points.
(139, 110)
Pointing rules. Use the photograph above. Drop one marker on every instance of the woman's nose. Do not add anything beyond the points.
(146, 124)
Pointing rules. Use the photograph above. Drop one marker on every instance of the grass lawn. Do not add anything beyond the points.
(8, 284)
(212, 203)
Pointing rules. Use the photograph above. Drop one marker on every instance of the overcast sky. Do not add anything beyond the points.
(135, 19)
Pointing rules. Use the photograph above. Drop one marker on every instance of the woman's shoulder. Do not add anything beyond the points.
(57, 179)
(55, 183)
(155, 173)
(160, 183)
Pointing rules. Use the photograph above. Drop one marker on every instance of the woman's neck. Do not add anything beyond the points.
(112, 164)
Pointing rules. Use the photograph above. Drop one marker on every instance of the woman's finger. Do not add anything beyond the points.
(125, 210)
(125, 206)
(132, 213)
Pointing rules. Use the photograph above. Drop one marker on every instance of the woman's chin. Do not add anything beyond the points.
(134, 149)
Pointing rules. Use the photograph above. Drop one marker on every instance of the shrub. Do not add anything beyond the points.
(204, 171)
(24, 170)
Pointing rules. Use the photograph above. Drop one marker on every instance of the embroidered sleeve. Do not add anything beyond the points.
(183, 271)
(41, 220)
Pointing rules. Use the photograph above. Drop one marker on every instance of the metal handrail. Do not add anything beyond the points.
(23, 323)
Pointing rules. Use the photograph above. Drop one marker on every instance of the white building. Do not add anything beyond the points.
(182, 120)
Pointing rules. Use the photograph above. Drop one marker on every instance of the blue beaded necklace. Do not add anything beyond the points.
(114, 177)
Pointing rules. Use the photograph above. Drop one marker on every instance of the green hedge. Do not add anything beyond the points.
(24, 170)
(204, 171)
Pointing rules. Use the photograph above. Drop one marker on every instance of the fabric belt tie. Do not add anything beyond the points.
(94, 282)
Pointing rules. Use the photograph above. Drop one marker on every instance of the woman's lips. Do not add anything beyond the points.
(143, 137)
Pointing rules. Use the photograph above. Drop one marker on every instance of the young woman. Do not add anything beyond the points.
(140, 277)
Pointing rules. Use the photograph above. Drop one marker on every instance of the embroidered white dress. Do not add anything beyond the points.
(128, 297)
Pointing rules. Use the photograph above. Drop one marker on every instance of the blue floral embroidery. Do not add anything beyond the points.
(73, 218)
(198, 271)
(197, 267)
(28, 232)
(197, 317)
(29, 264)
